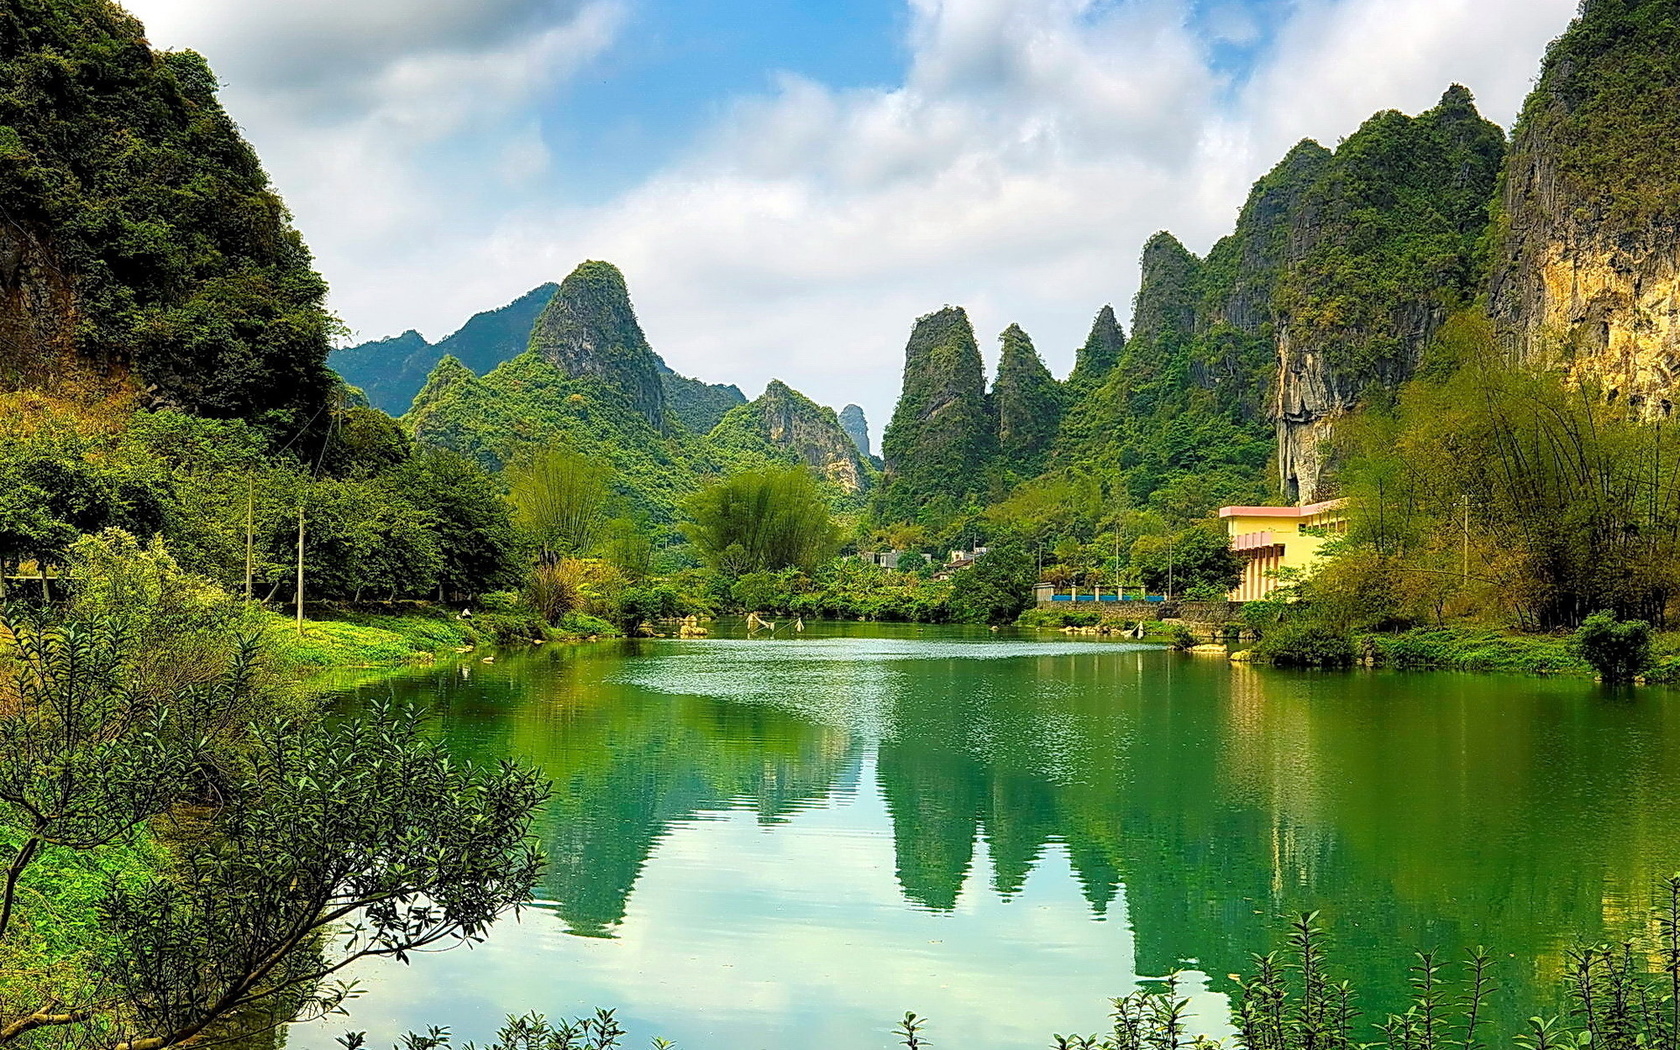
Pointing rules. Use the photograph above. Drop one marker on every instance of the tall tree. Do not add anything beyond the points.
(560, 499)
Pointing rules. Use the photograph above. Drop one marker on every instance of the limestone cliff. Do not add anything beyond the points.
(1586, 270)
(785, 419)
(1101, 352)
(852, 421)
(1028, 403)
(589, 330)
(942, 438)
(1381, 248)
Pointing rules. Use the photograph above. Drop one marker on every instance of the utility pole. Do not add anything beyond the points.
(300, 571)
(1172, 583)
(1466, 541)
(250, 521)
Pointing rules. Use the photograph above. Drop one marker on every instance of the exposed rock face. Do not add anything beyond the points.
(852, 421)
(942, 437)
(786, 419)
(1587, 270)
(1167, 297)
(1028, 404)
(1381, 249)
(142, 242)
(698, 405)
(590, 330)
(1242, 270)
(1101, 352)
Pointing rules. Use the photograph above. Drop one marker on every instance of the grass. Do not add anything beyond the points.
(1475, 649)
(339, 639)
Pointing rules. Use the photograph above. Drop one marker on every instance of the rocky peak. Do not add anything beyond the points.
(1242, 270)
(1586, 267)
(1100, 353)
(852, 421)
(1382, 247)
(942, 437)
(1166, 299)
(1028, 403)
(787, 419)
(589, 330)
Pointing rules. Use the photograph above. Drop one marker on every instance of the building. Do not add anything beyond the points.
(1272, 539)
(894, 559)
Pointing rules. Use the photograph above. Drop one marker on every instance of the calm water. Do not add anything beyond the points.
(762, 844)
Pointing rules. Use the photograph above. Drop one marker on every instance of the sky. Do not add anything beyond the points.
(788, 184)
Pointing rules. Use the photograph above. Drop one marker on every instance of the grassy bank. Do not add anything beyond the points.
(337, 638)
(1473, 649)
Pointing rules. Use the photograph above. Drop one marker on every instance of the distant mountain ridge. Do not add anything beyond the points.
(392, 370)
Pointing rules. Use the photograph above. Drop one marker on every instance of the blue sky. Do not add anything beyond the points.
(788, 184)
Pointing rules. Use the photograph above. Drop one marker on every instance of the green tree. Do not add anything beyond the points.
(234, 850)
(560, 499)
(997, 588)
(1619, 650)
(1197, 559)
(762, 521)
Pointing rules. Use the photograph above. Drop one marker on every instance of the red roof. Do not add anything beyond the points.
(1280, 512)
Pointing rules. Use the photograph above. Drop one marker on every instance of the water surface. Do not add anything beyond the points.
(790, 843)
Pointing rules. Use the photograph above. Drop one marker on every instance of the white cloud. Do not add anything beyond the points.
(1031, 149)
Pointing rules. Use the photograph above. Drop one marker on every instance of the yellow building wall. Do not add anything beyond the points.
(1277, 543)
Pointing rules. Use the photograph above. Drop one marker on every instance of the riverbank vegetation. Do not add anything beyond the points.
(185, 839)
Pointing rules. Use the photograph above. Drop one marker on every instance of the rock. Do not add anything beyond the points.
(1028, 403)
(1208, 649)
(787, 420)
(942, 437)
(852, 421)
(589, 329)
(1101, 352)
(1586, 274)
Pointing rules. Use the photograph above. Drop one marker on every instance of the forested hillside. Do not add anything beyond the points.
(143, 247)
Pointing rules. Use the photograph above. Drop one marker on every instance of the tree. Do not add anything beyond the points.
(560, 498)
(476, 539)
(1198, 558)
(1619, 650)
(762, 521)
(231, 851)
(997, 588)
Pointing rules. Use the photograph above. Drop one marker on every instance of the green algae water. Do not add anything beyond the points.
(789, 843)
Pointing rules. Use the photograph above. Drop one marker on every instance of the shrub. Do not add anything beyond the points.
(1619, 650)
(1305, 643)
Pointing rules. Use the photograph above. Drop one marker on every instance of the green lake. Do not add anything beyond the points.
(768, 844)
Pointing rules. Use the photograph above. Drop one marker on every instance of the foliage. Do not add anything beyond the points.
(560, 499)
(1516, 493)
(942, 438)
(762, 520)
(277, 827)
(1467, 648)
(996, 588)
(152, 235)
(1619, 650)
(1306, 643)
(1199, 558)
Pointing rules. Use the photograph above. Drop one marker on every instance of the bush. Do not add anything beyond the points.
(1305, 644)
(1619, 650)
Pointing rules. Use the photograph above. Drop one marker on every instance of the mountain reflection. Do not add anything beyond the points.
(1212, 799)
